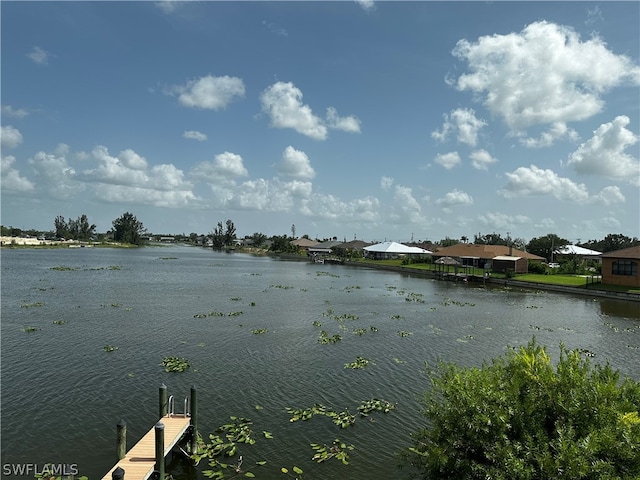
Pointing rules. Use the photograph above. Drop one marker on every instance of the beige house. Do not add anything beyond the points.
(496, 257)
(621, 267)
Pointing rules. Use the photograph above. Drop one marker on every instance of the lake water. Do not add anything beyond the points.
(63, 394)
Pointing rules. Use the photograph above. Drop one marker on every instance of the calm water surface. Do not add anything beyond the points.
(62, 394)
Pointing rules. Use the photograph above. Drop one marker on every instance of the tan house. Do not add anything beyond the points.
(495, 257)
(621, 267)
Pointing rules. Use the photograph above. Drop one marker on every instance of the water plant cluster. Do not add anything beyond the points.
(174, 364)
(225, 451)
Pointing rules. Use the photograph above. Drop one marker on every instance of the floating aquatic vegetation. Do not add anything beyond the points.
(352, 287)
(533, 306)
(397, 360)
(30, 305)
(316, 323)
(296, 470)
(283, 287)
(339, 318)
(325, 338)
(338, 450)
(235, 314)
(259, 331)
(375, 405)
(414, 297)
(396, 317)
(109, 348)
(404, 333)
(235, 299)
(174, 364)
(30, 329)
(360, 331)
(373, 329)
(359, 363)
(168, 258)
(585, 352)
(252, 304)
(327, 274)
(536, 327)
(447, 301)
(59, 322)
(62, 268)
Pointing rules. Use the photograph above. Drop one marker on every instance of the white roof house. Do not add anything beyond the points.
(582, 252)
(393, 247)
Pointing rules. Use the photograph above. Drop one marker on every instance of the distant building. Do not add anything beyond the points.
(496, 257)
(621, 267)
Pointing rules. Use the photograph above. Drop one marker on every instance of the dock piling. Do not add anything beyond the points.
(162, 401)
(117, 474)
(121, 443)
(194, 419)
(159, 428)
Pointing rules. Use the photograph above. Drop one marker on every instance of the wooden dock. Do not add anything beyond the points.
(147, 457)
(139, 462)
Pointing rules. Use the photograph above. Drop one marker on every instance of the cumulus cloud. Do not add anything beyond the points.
(448, 160)
(609, 196)
(557, 131)
(501, 221)
(10, 137)
(295, 164)
(406, 208)
(455, 198)
(386, 183)
(350, 124)
(194, 135)
(282, 102)
(56, 175)
(128, 178)
(525, 181)
(9, 111)
(481, 159)
(604, 153)
(354, 212)
(462, 123)
(39, 56)
(12, 181)
(225, 167)
(270, 195)
(209, 92)
(543, 74)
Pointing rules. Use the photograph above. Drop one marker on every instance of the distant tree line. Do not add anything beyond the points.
(79, 229)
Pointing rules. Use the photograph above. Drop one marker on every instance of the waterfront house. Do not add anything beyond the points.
(621, 267)
(483, 256)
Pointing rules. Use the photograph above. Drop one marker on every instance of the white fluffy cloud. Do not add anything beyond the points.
(386, 183)
(532, 180)
(295, 164)
(282, 102)
(557, 131)
(11, 179)
(498, 221)
(225, 167)
(609, 196)
(481, 159)
(10, 137)
(448, 160)
(604, 153)
(270, 195)
(56, 175)
(462, 123)
(543, 74)
(350, 124)
(9, 111)
(455, 198)
(209, 92)
(194, 135)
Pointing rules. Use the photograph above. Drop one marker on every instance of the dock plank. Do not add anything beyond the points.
(139, 462)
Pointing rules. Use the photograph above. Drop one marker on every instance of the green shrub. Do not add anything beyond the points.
(520, 417)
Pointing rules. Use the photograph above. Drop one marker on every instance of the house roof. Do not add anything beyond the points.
(506, 258)
(631, 252)
(472, 250)
(354, 245)
(393, 247)
(576, 250)
(303, 242)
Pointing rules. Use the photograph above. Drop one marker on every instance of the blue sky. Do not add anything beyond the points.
(373, 120)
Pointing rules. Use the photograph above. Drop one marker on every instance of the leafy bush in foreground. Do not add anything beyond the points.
(520, 417)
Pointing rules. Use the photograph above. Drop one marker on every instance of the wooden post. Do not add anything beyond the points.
(117, 474)
(121, 445)
(194, 420)
(159, 428)
(162, 401)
